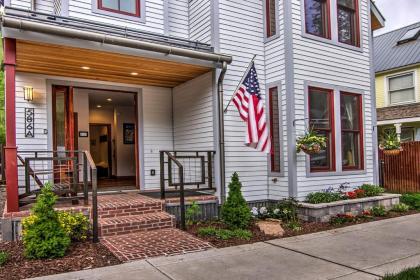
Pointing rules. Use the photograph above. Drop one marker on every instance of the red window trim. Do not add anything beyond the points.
(356, 25)
(330, 92)
(268, 20)
(136, 14)
(360, 131)
(328, 21)
(270, 96)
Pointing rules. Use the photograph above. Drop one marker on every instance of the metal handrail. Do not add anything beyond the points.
(89, 161)
(181, 186)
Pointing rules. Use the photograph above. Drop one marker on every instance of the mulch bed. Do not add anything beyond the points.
(83, 255)
(306, 228)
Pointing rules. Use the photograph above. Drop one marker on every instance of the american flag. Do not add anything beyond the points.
(251, 109)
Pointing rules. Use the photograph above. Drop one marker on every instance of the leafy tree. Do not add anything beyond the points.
(235, 212)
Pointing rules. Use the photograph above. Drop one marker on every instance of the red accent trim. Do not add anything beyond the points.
(272, 158)
(327, 22)
(356, 32)
(12, 191)
(136, 14)
(267, 18)
(331, 129)
(360, 131)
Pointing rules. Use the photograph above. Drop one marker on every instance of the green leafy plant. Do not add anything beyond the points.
(343, 219)
(372, 190)
(324, 197)
(294, 225)
(225, 234)
(3, 258)
(311, 143)
(406, 274)
(400, 207)
(412, 200)
(43, 236)
(76, 225)
(235, 212)
(192, 213)
(378, 211)
(390, 141)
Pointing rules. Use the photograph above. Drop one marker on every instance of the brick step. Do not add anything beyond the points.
(137, 223)
(113, 206)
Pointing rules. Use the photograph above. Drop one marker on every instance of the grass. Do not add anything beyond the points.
(225, 234)
(407, 274)
(3, 258)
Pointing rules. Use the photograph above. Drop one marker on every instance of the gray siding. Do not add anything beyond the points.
(200, 20)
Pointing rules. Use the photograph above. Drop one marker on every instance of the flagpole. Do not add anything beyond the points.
(240, 82)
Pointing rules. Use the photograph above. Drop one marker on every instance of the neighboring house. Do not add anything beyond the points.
(397, 67)
(127, 79)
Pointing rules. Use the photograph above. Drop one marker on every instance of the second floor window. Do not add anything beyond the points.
(401, 89)
(274, 129)
(317, 20)
(126, 7)
(270, 17)
(347, 20)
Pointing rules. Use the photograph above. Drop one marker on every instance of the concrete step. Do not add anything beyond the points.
(136, 223)
(121, 205)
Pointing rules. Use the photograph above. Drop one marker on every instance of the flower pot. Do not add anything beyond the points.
(316, 149)
(395, 152)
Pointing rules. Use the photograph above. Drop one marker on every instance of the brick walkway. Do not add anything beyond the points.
(161, 242)
(133, 227)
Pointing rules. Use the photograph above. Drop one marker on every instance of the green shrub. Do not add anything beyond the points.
(192, 212)
(323, 197)
(225, 234)
(372, 190)
(294, 225)
(43, 236)
(406, 274)
(235, 212)
(411, 199)
(286, 210)
(400, 207)
(3, 258)
(378, 211)
(76, 225)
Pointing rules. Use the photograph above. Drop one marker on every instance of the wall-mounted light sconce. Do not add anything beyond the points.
(28, 93)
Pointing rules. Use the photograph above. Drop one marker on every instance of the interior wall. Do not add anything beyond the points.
(125, 153)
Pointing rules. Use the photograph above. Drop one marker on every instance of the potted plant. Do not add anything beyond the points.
(311, 143)
(391, 144)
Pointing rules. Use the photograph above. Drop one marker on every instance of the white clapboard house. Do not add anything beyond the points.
(136, 84)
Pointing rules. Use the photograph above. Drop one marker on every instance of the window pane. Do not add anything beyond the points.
(110, 4)
(316, 18)
(128, 6)
(401, 82)
(407, 134)
(349, 112)
(405, 95)
(346, 26)
(275, 129)
(319, 109)
(347, 3)
(323, 159)
(60, 111)
(271, 17)
(350, 149)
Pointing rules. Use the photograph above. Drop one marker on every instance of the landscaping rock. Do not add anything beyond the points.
(271, 227)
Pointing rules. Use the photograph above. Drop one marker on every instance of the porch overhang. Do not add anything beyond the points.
(378, 20)
(80, 49)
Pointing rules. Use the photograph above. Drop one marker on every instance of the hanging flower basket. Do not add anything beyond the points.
(391, 145)
(394, 152)
(311, 143)
(311, 150)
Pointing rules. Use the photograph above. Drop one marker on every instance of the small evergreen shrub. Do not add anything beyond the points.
(76, 225)
(192, 213)
(372, 190)
(412, 200)
(400, 207)
(378, 211)
(235, 212)
(225, 234)
(43, 235)
(3, 258)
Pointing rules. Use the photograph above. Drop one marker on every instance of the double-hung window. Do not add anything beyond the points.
(270, 18)
(351, 131)
(125, 7)
(401, 89)
(274, 129)
(347, 22)
(317, 18)
(321, 120)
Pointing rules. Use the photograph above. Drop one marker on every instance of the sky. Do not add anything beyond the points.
(398, 13)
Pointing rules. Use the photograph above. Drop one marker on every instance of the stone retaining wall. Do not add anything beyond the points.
(323, 212)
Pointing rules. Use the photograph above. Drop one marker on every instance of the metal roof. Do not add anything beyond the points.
(389, 55)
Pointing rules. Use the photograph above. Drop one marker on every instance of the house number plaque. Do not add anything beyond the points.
(29, 123)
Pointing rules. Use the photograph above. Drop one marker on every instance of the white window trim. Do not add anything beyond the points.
(141, 18)
(277, 35)
(334, 27)
(337, 129)
(387, 93)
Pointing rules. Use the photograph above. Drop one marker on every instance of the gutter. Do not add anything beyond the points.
(221, 127)
(28, 25)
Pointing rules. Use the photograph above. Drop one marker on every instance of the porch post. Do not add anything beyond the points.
(12, 192)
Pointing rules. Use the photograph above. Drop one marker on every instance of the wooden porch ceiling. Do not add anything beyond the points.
(33, 57)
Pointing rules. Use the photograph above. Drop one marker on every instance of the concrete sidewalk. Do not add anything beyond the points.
(366, 251)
